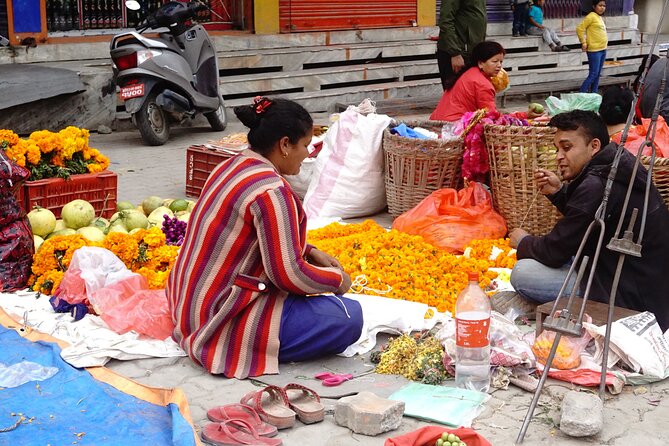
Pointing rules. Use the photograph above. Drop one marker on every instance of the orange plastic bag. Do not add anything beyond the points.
(637, 135)
(450, 219)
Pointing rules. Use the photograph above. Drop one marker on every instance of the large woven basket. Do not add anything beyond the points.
(414, 168)
(660, 175)
(515, 152)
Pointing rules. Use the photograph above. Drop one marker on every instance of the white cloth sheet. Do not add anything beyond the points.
(92, 343)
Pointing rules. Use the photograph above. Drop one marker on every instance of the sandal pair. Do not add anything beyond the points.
(235, 432)
(243, 412)
(283, 405)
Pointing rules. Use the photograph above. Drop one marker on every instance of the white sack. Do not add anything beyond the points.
(348, 179)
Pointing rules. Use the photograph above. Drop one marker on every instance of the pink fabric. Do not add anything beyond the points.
(471, 92)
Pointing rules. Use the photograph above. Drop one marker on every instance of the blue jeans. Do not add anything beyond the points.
(520, 18)
(537, 282)
(595, 64)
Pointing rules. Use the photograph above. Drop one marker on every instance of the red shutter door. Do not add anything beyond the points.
(325, 15)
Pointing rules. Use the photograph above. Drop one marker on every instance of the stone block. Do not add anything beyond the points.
(368, 414)
(582, 414)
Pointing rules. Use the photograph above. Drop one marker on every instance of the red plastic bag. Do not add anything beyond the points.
(428, 435)
(451, 219)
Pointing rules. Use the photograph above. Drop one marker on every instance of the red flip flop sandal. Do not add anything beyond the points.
(229, 433)
(242, 412)
(305, 402)
(275, 409)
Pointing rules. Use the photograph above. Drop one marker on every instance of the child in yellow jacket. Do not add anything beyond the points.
(592, 34)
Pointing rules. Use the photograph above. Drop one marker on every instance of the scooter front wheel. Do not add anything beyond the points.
(152, 122)
(217, 119)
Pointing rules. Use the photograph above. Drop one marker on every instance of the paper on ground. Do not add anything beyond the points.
(92, 343)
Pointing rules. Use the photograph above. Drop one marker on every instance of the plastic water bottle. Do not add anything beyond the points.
(472, 325)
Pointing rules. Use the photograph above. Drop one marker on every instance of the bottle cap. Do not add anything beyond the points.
(473, 276)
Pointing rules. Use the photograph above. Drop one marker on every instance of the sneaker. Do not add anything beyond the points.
(563, 48)
(503, 301)
(516, 34)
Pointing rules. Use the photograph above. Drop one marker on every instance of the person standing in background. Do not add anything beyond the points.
(592, 35)
(519, 8)
(462, 25)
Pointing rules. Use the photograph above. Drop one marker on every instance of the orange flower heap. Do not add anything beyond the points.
(143, 252)
(498, 251)
(403, 265)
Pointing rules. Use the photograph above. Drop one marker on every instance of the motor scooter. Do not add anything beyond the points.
(171, 77)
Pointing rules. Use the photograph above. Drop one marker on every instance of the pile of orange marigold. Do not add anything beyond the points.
(404, 266)
(143, 252)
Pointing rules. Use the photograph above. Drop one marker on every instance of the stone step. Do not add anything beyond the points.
(324, 78)
(297, 58)
(504, 28)
(325, 100)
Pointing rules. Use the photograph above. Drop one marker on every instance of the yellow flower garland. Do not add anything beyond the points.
(143, 252)
(413, 269)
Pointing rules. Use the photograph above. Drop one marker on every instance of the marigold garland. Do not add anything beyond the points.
(143, 252)
(412, 268)
(53, 154)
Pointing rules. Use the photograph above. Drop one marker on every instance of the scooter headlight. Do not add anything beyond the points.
(144, 55)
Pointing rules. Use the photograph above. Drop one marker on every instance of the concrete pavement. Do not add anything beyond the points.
(636, 416)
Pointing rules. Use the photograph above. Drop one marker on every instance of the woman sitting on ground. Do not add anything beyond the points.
(471, 89)
(247, 291)
(614, 109)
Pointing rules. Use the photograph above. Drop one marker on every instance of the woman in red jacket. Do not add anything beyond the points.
(471, 89)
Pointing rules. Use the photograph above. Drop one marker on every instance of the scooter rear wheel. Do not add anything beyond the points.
(217, 119)
(152, 122)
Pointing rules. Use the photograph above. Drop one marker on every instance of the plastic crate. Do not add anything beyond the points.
(99, 189)
(200, 161)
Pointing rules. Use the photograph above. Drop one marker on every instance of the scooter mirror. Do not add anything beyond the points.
(132, 5)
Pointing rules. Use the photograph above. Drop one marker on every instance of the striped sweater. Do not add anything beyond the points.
(242, 255)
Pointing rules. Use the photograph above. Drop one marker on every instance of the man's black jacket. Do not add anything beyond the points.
(644, 283)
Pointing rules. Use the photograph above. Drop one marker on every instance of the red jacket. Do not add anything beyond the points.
(471, 92)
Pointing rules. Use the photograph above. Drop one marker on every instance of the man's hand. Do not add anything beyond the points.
(345, 283)
(547, 182)
(319, 258)
(515, 236)
(457, 63)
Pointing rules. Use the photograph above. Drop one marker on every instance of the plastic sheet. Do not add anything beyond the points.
(22, 372)
(450, 219)
(573, 101)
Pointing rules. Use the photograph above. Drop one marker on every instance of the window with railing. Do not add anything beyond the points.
(68, 15)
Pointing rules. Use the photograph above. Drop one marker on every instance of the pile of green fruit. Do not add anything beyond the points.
(449, 440)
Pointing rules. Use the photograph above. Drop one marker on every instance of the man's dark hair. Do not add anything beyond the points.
(588, 122)
(616, 104)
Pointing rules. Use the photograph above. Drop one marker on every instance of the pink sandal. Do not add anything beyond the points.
(305, 402)
(242, 412)
(275, 410)
(229, 433)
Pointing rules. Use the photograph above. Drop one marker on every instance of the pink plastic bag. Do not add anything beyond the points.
(130, 305)
(450, 219)
(99, 279)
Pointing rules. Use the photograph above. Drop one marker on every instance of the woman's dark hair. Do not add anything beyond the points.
(587, 122)
(481, 52)
(269, 120)
(653, 58)
(596, 2)
(616, 105)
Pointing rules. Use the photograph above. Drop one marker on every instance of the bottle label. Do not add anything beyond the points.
(472, 333)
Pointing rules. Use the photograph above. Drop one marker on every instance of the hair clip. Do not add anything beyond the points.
(261, 104)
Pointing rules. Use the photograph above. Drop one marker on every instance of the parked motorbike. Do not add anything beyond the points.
(169, 78)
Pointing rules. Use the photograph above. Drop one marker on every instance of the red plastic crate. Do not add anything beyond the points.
(200, 161)
(54, 193)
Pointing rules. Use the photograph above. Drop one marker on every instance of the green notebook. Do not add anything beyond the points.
(445, 405)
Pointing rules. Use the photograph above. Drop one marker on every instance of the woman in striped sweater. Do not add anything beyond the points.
(247, 291)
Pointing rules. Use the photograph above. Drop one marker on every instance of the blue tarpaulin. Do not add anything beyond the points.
(72, 407)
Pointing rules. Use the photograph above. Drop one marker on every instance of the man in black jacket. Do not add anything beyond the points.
(584, 158)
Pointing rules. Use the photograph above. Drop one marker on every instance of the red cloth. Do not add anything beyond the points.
(428, 435)
(473, 91)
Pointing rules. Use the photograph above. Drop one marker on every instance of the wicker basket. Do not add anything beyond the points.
(515, 152)
(414, 168)
(660, 175)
